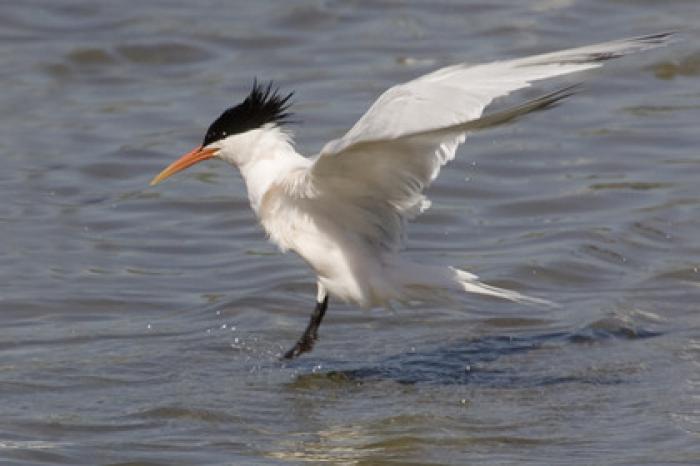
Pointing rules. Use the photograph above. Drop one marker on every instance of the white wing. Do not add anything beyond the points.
(460, 92)
(373, 177)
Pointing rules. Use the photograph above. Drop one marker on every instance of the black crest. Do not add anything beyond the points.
(263, 105)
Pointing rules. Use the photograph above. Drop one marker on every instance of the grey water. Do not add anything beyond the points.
(143, 326)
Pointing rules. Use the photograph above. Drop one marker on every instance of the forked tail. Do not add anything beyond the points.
(423, 282)
(471, 284)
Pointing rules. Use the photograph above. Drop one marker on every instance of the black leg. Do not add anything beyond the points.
(310, 335)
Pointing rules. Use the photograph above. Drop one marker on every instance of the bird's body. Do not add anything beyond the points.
(344, 210)
(295, 219)
(339, 240)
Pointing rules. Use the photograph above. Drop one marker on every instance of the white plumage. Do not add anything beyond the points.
(344, 211)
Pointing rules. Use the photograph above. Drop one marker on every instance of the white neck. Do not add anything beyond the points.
(263, 156)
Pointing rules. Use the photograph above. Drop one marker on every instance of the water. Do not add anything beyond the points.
(143, 326)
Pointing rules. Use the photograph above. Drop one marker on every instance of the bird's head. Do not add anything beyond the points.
(227, 134)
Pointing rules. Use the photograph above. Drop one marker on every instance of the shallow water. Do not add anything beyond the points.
(143, 326)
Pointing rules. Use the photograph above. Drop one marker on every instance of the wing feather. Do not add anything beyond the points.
(372, 179)
(461, 92)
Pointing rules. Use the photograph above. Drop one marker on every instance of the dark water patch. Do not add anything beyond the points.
(689, 274)
(33, 453)
(652, 230)
(511, 322)
(562, 205)
(686, 66)
(188, 414)
(139, 463)
(55, 428)
(232, 44)
(469, 362)
(83, 339)
(630, 185)
(655, 110)
(308, 17)
(91, 57)
(605, 254)
(107, 170)
(605, 329)
(165, 53)
(8, 387)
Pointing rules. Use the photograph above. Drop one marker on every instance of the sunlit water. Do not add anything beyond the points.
(143, 326)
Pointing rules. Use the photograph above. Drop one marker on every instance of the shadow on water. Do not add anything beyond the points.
(472, 361)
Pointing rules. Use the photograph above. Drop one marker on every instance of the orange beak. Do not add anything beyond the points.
(195, 156)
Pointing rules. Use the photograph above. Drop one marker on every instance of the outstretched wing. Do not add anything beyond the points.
(373, 177)
(460, 92)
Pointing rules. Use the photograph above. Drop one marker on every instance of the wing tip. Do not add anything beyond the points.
(656, 38)
(594, 55)
(659, 39)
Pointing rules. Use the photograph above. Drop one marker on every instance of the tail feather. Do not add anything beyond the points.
(471, 284)
(426, 282)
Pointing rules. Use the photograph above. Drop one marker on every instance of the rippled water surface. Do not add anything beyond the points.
(143, 326)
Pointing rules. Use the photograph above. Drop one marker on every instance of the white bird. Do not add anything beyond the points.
(344, 211)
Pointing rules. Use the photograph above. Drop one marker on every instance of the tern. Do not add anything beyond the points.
(344, 210)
